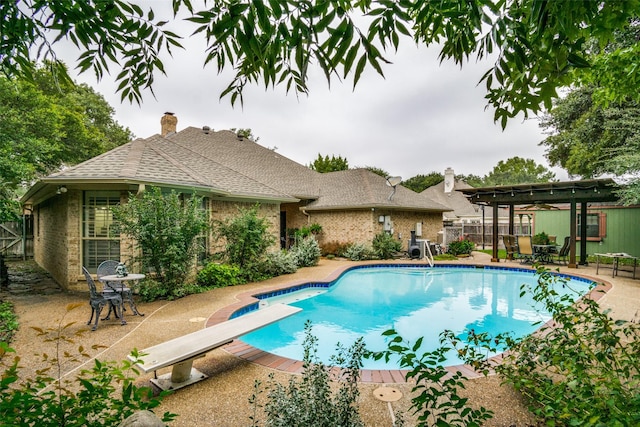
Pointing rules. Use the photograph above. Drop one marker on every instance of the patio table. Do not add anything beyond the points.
(543, 253)
(119, 280)
(616, 261)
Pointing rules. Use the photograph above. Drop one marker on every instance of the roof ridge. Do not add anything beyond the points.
(367, 182)
(133, 157)
(186, 147)
(184, 168)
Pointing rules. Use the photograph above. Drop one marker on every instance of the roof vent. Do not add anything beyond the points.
(206, 129)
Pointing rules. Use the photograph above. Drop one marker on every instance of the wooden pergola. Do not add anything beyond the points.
(572, 192)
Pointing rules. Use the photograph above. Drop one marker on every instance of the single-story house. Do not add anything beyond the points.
(73, 224)
(464, 217)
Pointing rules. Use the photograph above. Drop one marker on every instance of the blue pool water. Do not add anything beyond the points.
(415, 301)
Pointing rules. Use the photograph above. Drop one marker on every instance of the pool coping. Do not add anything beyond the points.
(248, 301)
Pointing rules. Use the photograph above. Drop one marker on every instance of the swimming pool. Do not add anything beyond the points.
(415, 301)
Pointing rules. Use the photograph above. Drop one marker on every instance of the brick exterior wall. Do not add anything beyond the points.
(360, 226)
(54, 225)
(222, 210)
(58, 228)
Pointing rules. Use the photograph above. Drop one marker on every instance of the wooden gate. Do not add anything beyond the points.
(16, 238)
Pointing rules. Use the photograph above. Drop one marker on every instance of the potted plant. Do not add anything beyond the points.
(540, 239)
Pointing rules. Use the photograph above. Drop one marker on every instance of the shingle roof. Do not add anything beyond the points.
(460, 206)
(361, 188)
(221, 163)
(250, 159)
(159, 160)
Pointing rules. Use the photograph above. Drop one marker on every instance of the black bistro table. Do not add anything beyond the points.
(544, 253)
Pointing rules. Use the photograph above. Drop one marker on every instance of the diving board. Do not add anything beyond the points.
(182, 351)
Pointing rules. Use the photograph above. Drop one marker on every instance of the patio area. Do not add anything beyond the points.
(222, 399)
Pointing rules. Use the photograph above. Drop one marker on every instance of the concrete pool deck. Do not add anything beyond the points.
(222, 400)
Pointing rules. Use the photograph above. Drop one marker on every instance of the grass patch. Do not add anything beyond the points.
(502, 253)
(444, 257)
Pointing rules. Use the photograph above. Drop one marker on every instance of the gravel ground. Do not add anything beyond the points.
(222, 399)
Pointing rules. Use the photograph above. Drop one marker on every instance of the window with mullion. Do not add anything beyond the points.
(100, 238)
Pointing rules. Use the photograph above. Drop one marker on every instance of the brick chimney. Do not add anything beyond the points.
(168, 124)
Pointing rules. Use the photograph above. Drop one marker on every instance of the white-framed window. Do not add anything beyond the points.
(100, 239)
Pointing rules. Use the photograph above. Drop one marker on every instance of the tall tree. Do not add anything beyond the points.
(326, 164)
(419, 183)
(45, 124)
(590, 139)
(378, 171)
(471, 179)
(517, 170)
(536, 46)
(246, 133)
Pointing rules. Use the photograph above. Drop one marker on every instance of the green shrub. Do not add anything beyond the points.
(460, 247)
(315, 229)
(8, 321)
(385, 246)
(151, 290)
(187, 289)
(247, 238)
(307, 231)
(103, 395)
(166, 228)
(306, 252)
(582, 371)
(357, 252)
(310, 400)
(215, 275)
(279, 263)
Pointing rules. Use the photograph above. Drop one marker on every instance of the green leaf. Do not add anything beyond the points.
(359, 68)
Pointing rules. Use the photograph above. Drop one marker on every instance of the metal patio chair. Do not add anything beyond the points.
(108, 268)
(98, 301)
(563, 253)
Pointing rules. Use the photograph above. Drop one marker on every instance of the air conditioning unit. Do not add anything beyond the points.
(417, 249)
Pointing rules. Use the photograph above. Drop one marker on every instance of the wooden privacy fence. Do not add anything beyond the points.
(16, 238)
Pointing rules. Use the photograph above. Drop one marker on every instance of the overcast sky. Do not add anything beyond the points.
(421, 117)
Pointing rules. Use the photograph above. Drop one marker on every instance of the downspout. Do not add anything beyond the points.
(141, 190)
(304, 212)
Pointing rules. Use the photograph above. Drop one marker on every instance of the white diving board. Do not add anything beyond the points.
(182, 351)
